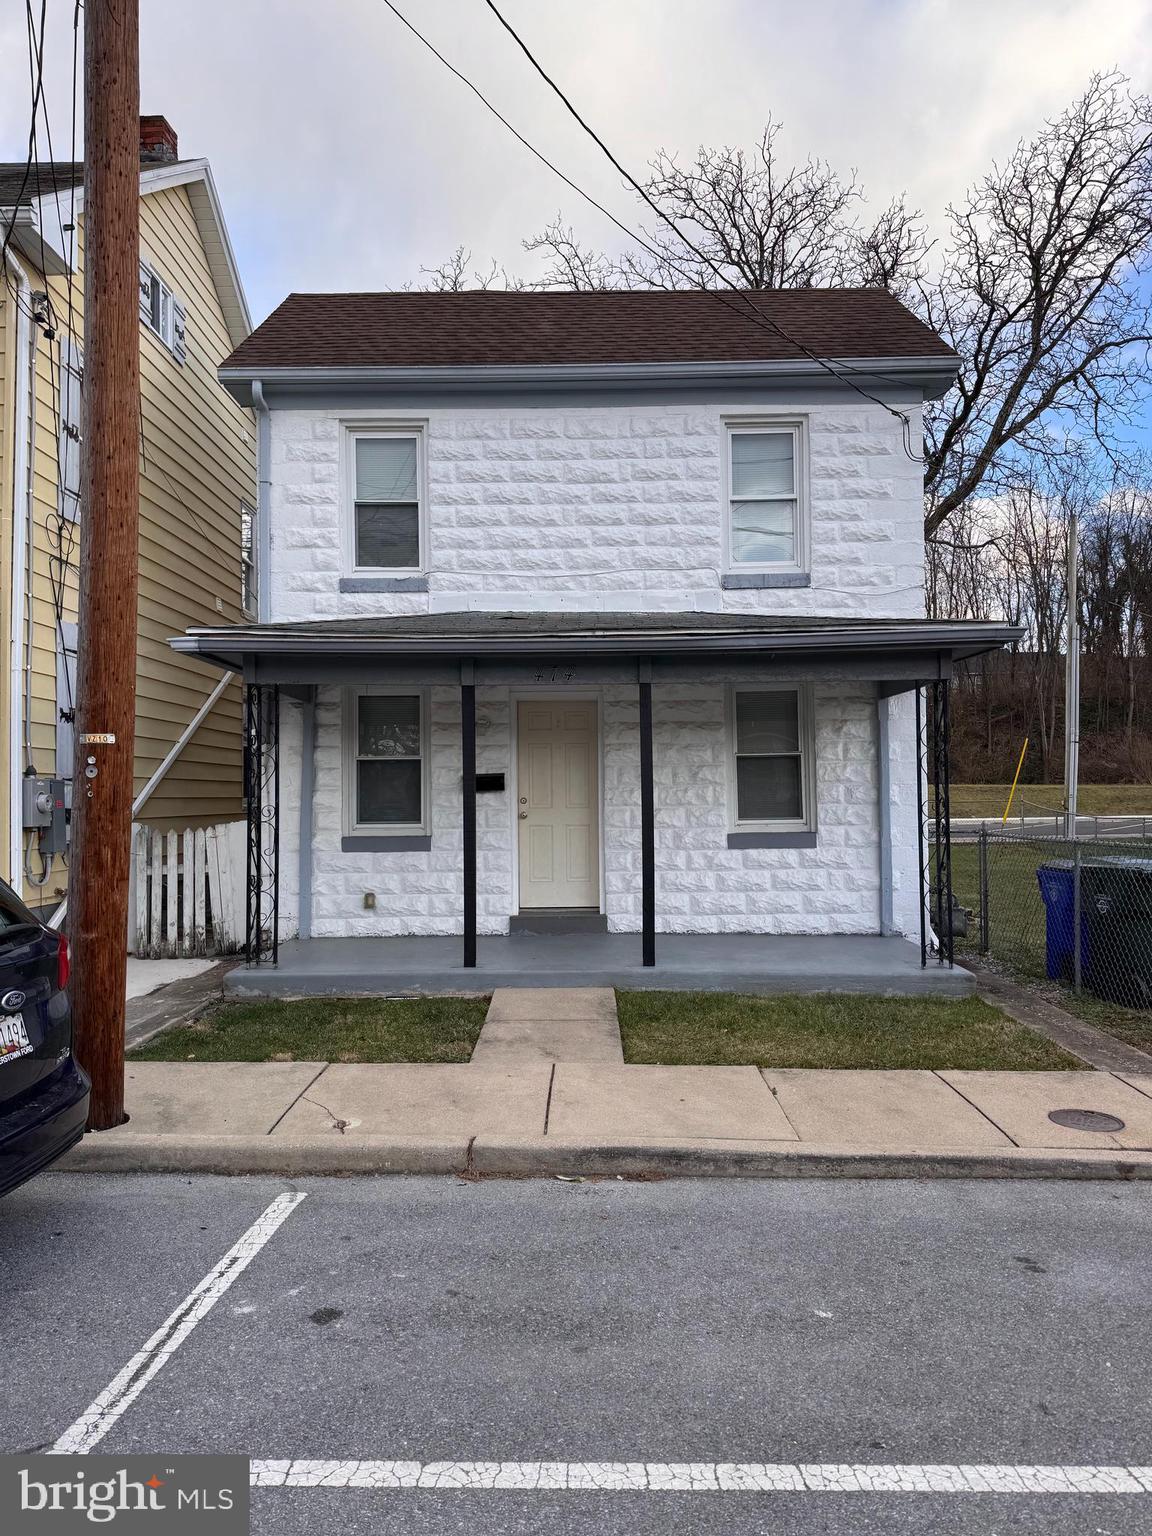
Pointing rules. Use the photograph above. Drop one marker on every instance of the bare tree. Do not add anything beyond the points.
(748, 220)
(570, 264)
(453, 276)
(1038, 284)
(1040, 295)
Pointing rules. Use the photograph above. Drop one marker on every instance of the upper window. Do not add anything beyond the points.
(386, 477)
(162, 312)
(773, 751)
(71, 390)
(765, 497)
(387, 758)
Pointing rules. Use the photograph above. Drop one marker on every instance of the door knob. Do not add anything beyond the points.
(523, 815)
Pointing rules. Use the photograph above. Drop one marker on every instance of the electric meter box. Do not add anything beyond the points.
(46, 811)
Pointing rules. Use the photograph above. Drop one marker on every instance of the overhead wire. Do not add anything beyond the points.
(748, 311)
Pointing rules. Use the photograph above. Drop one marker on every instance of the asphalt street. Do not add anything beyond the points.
(873, 1323)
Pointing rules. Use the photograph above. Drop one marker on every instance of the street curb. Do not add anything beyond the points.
(491, 1157)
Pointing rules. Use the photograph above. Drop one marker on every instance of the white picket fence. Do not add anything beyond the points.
(188, 893)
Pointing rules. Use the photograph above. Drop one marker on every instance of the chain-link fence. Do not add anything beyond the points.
(1074, 911)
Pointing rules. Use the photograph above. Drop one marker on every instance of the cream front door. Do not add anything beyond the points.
(558, 804)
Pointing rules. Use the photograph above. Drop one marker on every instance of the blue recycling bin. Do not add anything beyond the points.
(1057, 889)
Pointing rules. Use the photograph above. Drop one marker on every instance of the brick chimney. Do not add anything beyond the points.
(158, 140)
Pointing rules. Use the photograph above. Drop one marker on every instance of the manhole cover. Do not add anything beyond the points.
(1086, 1120)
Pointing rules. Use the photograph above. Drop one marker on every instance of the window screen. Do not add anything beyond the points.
(387, 507)
(769, 757)
(389, 773)
(763, 506)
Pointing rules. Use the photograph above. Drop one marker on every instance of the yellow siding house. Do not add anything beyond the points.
(197, 492)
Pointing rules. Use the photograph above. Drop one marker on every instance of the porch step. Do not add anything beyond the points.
(526, 1024)
(546, 920)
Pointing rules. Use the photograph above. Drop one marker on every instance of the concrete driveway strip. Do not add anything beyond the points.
(729, 1103)
(879, 1109)
(422, 1099)
(1020, 1103)
(212, 1098)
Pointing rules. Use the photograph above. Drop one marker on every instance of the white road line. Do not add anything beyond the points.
(698, 1477)
(97, 1419)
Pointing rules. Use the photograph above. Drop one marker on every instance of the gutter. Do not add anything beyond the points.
(226, 645)
(932, 375)
(263, 501)
(21, 517)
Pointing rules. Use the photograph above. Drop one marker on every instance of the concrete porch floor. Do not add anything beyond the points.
(684, 963)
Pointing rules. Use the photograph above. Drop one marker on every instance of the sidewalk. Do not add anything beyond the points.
(605, 1119)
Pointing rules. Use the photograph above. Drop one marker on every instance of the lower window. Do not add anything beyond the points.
(773, 754)
(386, 762)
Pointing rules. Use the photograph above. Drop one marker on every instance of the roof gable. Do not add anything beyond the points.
(45, 183)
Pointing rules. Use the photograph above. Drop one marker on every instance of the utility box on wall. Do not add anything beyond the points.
(46, 811)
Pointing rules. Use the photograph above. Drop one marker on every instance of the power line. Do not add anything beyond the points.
(36, 66)
(753, 312)
(749, 312)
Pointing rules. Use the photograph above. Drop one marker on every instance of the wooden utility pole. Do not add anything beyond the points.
(110, 500)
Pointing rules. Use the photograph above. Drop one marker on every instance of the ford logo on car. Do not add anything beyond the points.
(12, 1000)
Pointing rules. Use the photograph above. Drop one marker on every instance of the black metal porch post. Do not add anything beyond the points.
(942, 745)
(262, 791)
(647, 818)
(468, 767)
(252, 751)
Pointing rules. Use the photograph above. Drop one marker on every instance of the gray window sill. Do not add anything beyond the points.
(752, 580)
(383, 583)
(771, 839)
(417, 842)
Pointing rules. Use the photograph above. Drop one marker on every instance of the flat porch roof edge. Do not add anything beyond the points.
(415, 966)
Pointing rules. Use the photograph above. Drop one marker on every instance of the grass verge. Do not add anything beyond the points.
(829, 1030)
(1092, 799)
(326, 1029)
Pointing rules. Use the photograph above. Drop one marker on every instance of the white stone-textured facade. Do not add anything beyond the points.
(617, 507)
(612, 507)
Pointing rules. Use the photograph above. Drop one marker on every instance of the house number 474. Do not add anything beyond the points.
(555, 675)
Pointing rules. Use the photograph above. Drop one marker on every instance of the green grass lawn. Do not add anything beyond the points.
(1018, 924)
(1092, 799)
(1132, 1025)
(728, 1029)
(1016, 914)
(326, 1029)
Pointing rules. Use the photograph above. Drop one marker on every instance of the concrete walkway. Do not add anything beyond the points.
(527, 1113)
(535, 1024)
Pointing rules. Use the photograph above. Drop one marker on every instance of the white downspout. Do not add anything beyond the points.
(263, 498)
(21, 516)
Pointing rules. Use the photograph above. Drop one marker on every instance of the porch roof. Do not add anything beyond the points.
(474, 635)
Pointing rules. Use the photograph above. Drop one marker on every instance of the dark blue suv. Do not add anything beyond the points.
(43, 1092)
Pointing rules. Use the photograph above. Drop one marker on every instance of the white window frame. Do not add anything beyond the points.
(350, 756)
(353, 432)
(806, 720)
(797, 426)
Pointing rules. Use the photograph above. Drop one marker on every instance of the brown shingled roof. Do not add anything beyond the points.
(408, 330)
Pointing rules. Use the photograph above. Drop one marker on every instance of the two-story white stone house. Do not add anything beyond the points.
(592, 643)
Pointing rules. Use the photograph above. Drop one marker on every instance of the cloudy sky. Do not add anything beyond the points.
(347, 157)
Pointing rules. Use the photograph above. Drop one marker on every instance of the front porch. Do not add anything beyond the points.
(819, 875)
(695, 962)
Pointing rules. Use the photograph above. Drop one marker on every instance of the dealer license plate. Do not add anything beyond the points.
(14, 1039)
